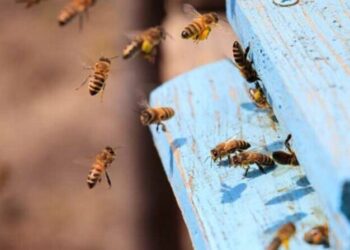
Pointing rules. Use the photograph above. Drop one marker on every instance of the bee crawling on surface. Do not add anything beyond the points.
(245, 159)
(97, 80)
(200, 27)
(29, 3)
(146, 43)
(103, 160)
(73, 9)
(258, 96)
(243, 64)
(285, 158)
(317, 236)
(155, 115)
(284, 233)
(228, 147)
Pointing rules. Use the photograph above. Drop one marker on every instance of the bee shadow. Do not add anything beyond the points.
(231, 194)
(174, 145)
(250, 106)
(274, 146)
(224, 163)
(303, 181)
(292, 195)
(290, 218)
(256, 172)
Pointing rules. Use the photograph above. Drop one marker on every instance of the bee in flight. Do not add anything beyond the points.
(228, 147)
(243, 64)
(155, 115)
(29, 3)
(245, 159)
(73, 9)
(201, 26)
(284, 233)
(102, 161)
(97, 80)
(285, 158)
(258, 96)
(317, 236)
(146, 43)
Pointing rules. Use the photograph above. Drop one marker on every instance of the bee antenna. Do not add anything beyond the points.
(113, 57)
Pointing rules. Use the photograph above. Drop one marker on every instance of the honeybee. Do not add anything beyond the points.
(317, 235)
(258, 96)
(243, 64)
(74, 8)
(156, 115)
(228, 147)
(97, 80)
(282, 237)
(285, 158)
(245, 159)
(201, 26)
(29, 3)
(146, 43)
(102, 161)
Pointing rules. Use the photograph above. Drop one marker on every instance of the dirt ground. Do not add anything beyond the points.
(50, 133)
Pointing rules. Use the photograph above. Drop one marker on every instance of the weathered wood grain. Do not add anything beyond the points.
(302, 54)
(222, 210)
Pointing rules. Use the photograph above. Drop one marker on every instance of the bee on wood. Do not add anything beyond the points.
(201, 26)
(317, 236)
(245, 159)
(258, 96)
(147, 43)
(155, 115)
(73, 9)
(282, 237)
(103, 160)
(228, 147)
(97, 79)
(243, 64)
(29, 3)
(285, 158)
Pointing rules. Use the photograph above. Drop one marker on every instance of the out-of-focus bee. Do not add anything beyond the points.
(317, 235)
(258, 96)
(5, 174)
(146, 43)
(29, 3)
(285, 158)
(282, 237)
(243, 64)
(102, 161)
(228, 147)
(97, 80)
(245, 159)
(73, 9)
(155, 115)
(200, 27)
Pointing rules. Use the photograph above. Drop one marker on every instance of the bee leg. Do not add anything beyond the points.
(81, 21)
(102, 91)
(157, 128)
(82, 84)
(108, 180)
(262, 170)
(163, 127)
(204, 34)
(287, 144)
(246, 171)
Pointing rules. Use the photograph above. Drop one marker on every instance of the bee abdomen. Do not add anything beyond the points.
(243, 144)
(191, 30)
(68, 13)
(96, 84)
(267, 161)
(167, 113)
(131, 49)
(238, 55)
(93, 177)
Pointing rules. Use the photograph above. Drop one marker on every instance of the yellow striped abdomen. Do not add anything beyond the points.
(95, 174)
(96, 83)
(67, 13)
(193, 30)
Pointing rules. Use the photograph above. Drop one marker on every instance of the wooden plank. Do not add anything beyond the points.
(302, 54)
(222, 210)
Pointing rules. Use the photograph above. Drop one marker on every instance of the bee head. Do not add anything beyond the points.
(110, 150)
(214, 154)
(235, 160)
(162, 32)
(104, 59)
(145, 117)
(314, 236)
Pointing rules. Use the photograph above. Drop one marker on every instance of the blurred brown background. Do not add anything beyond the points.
(48, 130)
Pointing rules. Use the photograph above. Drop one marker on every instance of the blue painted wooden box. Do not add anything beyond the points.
(302, 54)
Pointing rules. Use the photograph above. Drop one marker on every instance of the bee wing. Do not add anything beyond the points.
(84, 161)
(190, 11)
